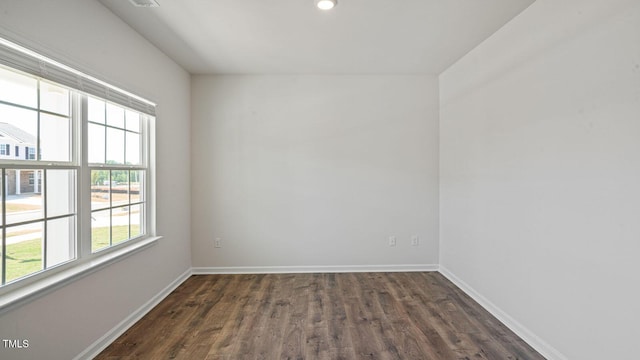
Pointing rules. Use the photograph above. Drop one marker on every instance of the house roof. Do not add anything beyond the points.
(16, 133)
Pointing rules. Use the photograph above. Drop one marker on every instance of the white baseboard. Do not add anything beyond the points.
(313, 269)
(525, 334)
(94, 349)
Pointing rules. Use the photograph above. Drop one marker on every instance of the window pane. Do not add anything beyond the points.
(24, 198)
(100, 189)
(119, 187)
(120, 223)
(18, 89)
(18, 127)
(115, 146)
(95, 110)
(133, 121)
(100, 230)
(115, 116)
(137, 186)
(96, 145)
(24, 250)
(133, 148)
(54, 98)
(136, 216)
(55, 135)
(60, 240)
(61, 192)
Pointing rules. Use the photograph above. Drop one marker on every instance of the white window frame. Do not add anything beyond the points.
(144, 165)
(16, 293)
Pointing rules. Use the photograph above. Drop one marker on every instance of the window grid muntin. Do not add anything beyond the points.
(142, 120)
(39, 112)
(142, 203)
(24, 107)
(45, 219)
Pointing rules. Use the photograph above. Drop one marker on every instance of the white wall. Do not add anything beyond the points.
(314, 170)
(85, 34)
(540, 174)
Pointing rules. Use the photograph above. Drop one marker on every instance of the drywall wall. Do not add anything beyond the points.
(540, 171)
(83, 33)
(314, 171)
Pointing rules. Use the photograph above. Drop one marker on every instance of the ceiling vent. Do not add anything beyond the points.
(144, 3)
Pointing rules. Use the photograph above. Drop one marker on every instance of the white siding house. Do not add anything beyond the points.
(18, 144)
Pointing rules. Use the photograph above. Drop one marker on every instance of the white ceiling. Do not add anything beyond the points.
(294, 37)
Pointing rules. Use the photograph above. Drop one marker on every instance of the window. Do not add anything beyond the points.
(38, 226)
(67, 145)
(30, 153)
(117, 173)
(35, 180)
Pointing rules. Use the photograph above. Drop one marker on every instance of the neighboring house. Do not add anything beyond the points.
(17, 144)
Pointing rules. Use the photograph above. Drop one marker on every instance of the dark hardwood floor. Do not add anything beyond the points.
(319, 316)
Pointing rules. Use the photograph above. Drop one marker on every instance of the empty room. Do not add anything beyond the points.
(307, 179)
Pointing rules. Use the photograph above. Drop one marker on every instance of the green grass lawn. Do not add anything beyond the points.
(100, 236)
(25, 257)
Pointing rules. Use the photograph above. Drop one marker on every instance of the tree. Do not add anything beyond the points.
(98, 177)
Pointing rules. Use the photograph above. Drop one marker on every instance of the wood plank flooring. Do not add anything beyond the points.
(319, 316)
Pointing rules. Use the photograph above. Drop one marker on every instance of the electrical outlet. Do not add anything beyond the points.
(415, 240)
(217, 243)
(392, 241)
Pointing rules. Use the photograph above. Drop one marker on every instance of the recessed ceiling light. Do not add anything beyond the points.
(326, 4)
(144, 3)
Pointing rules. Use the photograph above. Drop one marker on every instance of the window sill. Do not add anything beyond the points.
(24, 294)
